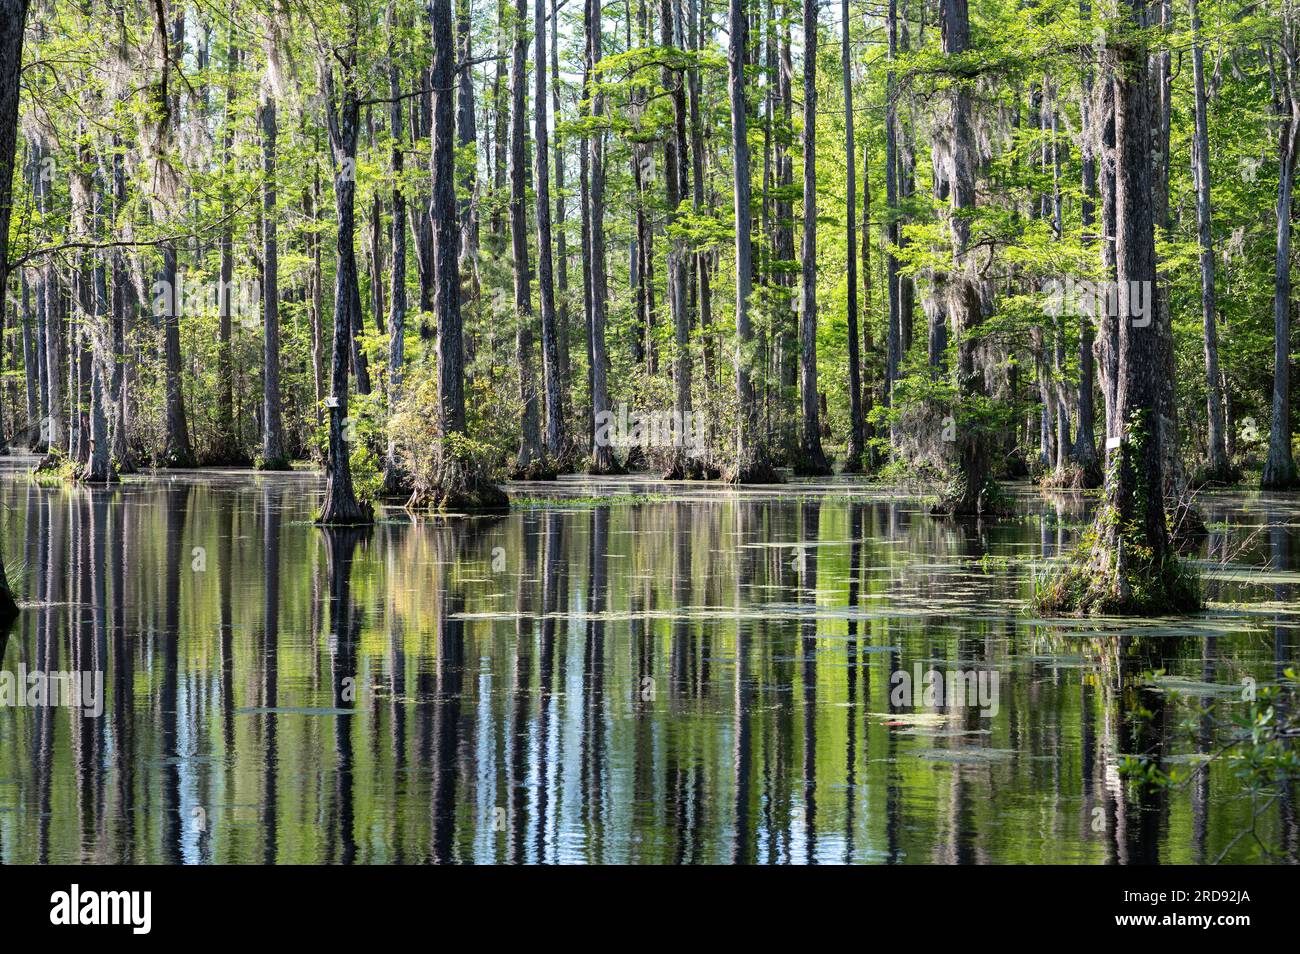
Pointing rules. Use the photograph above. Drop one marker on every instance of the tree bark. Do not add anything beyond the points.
(894, 339)
(467, 133)
(13, 19)
(702, 258)
(750, 463)
(545, 279)
(395, 481)
(1132, 555)
(812, 461)
(226, 445)
(1279, 466)
(177, 450)
(273, 455)
(602, 456)
(459, 483)
(1084, 452)
(341, 506)
(561, 245)
(122, 292)
(675, 174)
(1218, 467)
(857, 430)
(528, 461)
(975, 482)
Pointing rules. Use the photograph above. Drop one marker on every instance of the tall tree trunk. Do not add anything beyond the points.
(122, 292)
(528, 461)
(893, 340)
(1172, 467)
(458, 483)
(395, 481)
(562, 247)
(584, 203)
(750, 463)
(857, 431)
(1218, 467)
(1279, 466)
(1132, 567)
(974, 475)
(273, 455)
(1109, 322)
(311, 211)
(1084, 452)
(602, 455)
(812, 461)
(467, 133)
(675, 175)
(99, 461)
(868, 343)
(545, 280)
(29, 354)
(421, 224)
(702, 258)
(226, 444)
(13, 19)
(783, 243)
(502, 111)
(341, 506)
(177, 450)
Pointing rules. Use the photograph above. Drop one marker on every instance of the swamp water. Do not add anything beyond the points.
(684, 673)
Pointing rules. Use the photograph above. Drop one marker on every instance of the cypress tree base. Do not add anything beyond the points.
(342, 509)
(984, 498)
(460, 487)
(604, 464)
(1279, 474)
(810, 460)
(177, 459)
(1112, 573)
(397, 483)
(95, 475)
(539, 468)
(752, 467)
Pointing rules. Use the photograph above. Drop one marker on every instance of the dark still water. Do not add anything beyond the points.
(684, 674)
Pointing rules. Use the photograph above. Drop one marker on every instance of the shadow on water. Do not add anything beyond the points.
(673, 674)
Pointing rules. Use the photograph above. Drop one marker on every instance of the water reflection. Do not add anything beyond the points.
(696, 676)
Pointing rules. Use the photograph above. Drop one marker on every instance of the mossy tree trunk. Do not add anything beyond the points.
(1129, 565)
(458, 483)
(1279, 467)
(528, 460)
(970, 495)
(857, 428)
(812, 460)
(750, 463)
(341, 506)
(13, 18)
(602, 455)
(273, 455)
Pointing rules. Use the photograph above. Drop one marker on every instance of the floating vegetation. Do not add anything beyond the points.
(1190, 687)
(964, 756)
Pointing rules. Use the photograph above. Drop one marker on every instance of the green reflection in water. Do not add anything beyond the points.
(688, 674)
